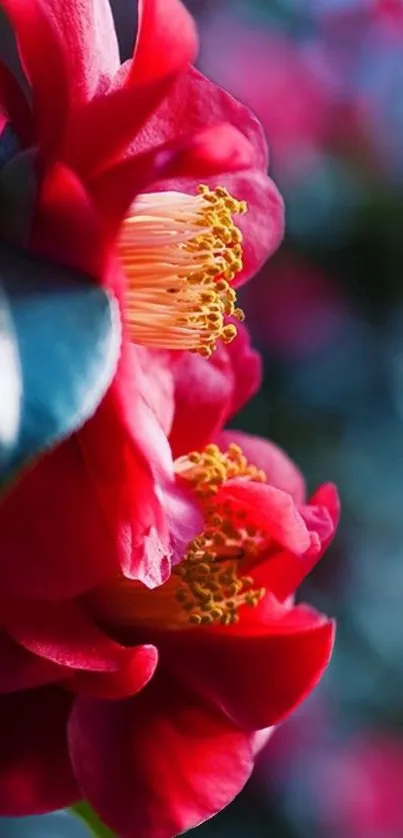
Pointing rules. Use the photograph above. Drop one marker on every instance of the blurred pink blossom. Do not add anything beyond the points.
(294, 308)
(266, 69)
(361, 788)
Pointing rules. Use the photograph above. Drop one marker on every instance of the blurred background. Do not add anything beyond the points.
(325, 78)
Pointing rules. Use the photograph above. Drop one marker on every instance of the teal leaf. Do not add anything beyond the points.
(10, 384)
(60, 342)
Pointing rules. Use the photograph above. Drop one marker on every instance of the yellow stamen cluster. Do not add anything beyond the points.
(211, 583)
(210, 588)
(180, 254)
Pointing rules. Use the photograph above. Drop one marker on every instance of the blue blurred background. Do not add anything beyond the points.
(326, 79)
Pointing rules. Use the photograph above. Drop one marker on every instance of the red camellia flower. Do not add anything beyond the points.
(147, 702)
(115, 172)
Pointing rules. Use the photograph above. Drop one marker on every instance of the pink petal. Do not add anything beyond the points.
(270, 509)
(90, 46)
(247, 369)
(280, 470)
(157, 385)
(159, 764)
(166, 44)
(194, 104)
(283, 571)
(203, 393)
(166, 41)
(208, 392)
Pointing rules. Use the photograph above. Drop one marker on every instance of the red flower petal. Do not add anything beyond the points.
(40, 48)
(247, 368)
(284, 571)
(197, 103)
(207, 152)
(35, 772)
(280, 470)
(263, 224)
(328, 497)
(66, 226)
(20, 670)
(166, 41)
(166, 44)
(270, 509)
(90, 508)
(64, 633)
(157, 385)
(126, 473)
(90, 46)
(203, 391)
(257, 675)
(55, 540)
(158, 764)
(208, 392)
(214, 150)
(133, 675)
(194, 104)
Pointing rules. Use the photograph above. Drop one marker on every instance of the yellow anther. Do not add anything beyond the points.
(180, 254)
(212, 563)
(214, 580)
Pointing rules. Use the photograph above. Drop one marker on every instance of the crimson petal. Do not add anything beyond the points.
(55, 540)
(284, 571)
(158, 764)
(280, 470)
(90, 46)
(259, 673)
(166, 41)
(138, 668)
(203, 391)
(166, 44)
(208, 392)
(20, 670)
(63, 632)
(270, 509)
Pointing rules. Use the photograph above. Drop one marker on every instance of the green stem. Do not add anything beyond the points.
(85, 813)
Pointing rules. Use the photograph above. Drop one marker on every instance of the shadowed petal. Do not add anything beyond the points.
(157, 764)
(35, 771)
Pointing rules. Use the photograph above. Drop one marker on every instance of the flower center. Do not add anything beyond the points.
(180, 254)
(208, 586)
